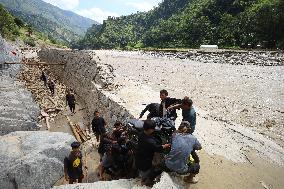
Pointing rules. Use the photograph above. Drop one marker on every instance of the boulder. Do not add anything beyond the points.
(165, 182)
(32, 160)
(18, 111)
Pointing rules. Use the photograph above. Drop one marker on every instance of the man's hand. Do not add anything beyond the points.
(166, 146)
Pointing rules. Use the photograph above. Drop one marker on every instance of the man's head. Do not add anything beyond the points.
(75, 145)
(117, 124)
(186, 102)
(149, 126)
(97, 113)
(163, 94)
(184, 127)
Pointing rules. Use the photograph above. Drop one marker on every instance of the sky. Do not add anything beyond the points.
(99, 10)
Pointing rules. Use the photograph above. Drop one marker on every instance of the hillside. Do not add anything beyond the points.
(190, 23)
(62, 25)
(13, 28)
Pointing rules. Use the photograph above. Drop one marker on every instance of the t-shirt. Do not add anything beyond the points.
(73, 163)
(190, 116)
(147, 146)
(70, 98)
(98, 125)
(182, 146)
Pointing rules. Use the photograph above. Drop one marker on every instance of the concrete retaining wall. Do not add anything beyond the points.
(90, 79)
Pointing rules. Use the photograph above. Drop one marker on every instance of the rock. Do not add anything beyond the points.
(165, 183)
(32, 160)
(117, 184)
(18, 110)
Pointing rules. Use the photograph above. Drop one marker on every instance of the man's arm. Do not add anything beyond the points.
(143, 111)
(93, 125)
(197, 145)
(65, 168)
(173, 107)
(175, 101)
(158, 147)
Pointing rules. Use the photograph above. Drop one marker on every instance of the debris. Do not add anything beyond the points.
(77, 136)
(264, 185)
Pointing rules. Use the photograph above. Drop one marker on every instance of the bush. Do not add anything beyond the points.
(30, 42)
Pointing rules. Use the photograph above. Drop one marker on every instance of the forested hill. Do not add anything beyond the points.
(190, 23)
(59, 24)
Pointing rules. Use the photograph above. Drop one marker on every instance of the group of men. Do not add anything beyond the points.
(118, 160)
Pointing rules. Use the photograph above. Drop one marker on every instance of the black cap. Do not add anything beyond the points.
(75, 144)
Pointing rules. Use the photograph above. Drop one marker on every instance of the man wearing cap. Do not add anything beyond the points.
(147, 146)
(73, 165)
(183, 145)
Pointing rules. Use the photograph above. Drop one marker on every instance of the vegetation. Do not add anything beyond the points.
(13, 28)
(190, 23)
(64, 26)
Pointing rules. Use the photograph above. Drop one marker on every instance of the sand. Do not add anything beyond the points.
(240, 112)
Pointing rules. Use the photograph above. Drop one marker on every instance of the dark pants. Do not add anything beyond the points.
(71, 180)
(98, 136)
(72, 107)
(148, 176)
(193, 168)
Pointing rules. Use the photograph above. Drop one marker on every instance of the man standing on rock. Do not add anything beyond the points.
(71, 101)
(184, 144)
(153, 109)
(73, 165)
(98, 125)
(147, 146)
(165, 103)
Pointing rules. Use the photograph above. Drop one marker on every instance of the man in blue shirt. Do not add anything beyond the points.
(183, 145)
(188, 112)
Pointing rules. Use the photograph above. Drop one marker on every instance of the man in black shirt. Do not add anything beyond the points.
(71, 101)
(153, 108)
(165, 103)
(98, 125)
(147, 146)
(73, 165)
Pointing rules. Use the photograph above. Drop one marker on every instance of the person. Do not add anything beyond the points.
(188, 112)
(98, 125)
(183, 145)
(44, 78)
(147, 146)
(165, 103)
(73, 165)
(153, 109)
(71, 101)
(106, 165)
(51, 86)
(104, 143)
(117, 130)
